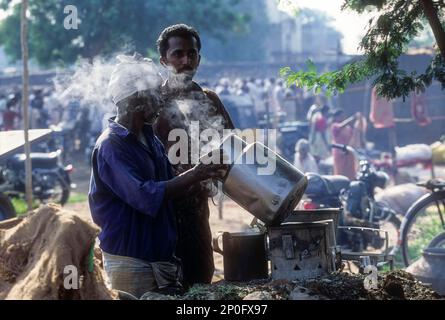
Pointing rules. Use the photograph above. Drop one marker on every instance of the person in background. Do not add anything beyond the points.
(10, 116)
(53, 107)
(179, 49)
(304, 161)
(290, 103)
(341, 130)
(316, 106)
(318, 132)
(38, 115)
(358, 139)
(222, 87)
(277, 99)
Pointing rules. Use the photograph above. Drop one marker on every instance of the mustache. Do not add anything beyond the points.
(185, 70)
(190, 69)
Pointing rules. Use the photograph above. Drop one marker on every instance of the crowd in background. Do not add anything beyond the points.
(270, 104)
(270, 97)
(80, 124)
(281, 105)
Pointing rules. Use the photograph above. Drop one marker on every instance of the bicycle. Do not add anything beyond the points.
(424, 223)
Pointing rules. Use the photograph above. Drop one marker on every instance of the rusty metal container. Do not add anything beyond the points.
(331, 216)
(316, 215)
(244, 255)
(299, 250)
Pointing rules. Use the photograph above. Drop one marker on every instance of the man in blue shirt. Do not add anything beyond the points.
(132, 184)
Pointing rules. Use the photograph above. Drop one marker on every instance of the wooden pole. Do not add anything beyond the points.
(25, 99)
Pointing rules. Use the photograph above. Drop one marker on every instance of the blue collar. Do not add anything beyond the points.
(117, 128)
(123, 132)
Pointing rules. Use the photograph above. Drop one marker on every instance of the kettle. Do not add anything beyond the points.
(268, 194)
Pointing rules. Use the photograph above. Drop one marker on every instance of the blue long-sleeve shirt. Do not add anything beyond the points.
(127, 195)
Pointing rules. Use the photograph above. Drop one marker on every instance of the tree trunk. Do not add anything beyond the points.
(25, 98)
(436, 26)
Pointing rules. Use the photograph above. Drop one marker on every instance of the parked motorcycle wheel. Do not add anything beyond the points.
(7, 210)
(61, 193)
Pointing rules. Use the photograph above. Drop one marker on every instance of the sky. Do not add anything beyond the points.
(351, 24)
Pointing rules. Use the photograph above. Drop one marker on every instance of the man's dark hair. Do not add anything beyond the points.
(177, 30)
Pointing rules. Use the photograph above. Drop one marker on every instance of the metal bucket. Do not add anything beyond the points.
(331, 216)
(316, 215)
(244, 255)
(270, 196)
(299, 250)
(430, 268)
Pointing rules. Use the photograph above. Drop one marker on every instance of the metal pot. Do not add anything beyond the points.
(268, 195)
(331, 216)
(430, 268)
(244, 255)
(299, 250)
(311, 215)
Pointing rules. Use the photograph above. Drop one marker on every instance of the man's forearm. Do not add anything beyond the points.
(180, 184)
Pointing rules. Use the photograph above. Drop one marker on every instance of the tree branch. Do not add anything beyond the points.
(436, 26)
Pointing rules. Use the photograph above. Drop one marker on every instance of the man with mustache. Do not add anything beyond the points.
(179, 48)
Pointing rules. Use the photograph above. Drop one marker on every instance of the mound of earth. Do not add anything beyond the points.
(394, 285)
(36, 250)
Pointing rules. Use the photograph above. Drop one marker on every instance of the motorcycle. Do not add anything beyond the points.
(7, 210)
(50, 180)
(357, 200)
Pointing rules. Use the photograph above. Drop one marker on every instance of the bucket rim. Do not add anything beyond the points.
(434, 252)
(244, 233)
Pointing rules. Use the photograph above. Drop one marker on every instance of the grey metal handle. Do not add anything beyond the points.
(215, 242)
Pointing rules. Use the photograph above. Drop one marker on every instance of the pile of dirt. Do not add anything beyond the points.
(35, 251)
(394, 285)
